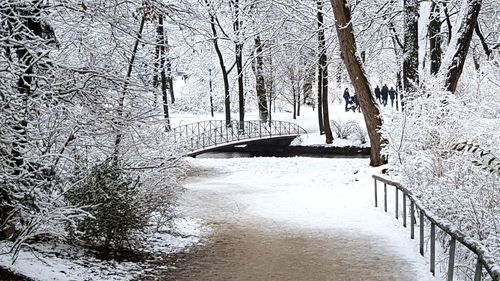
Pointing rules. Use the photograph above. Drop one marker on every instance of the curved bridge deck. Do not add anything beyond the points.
(201, 137)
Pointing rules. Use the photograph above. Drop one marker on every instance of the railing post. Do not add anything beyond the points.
(421, 230)
(451, 260)
(404, 209)
(433, 249)
(385, 197)
(376, 199)
(412, 220)
(397, 202)
(479, 270)
(210, 130)
(198, 135)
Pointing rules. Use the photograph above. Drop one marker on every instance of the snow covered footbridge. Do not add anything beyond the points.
(205, 136)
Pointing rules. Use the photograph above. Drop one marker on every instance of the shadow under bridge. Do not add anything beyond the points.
(200, 137)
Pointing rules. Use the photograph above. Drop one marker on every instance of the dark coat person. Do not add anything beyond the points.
(356, 103)
(346, 96)
(384, 94)
(377, 94)
(392, 95)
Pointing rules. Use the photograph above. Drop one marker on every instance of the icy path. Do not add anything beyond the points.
(294, 219)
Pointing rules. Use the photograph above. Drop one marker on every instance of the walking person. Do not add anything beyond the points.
(377, 94)
(347, 97)
(384, 94)
(392, 96)
(356, 103)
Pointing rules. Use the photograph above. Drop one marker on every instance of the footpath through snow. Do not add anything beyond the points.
(294, 219)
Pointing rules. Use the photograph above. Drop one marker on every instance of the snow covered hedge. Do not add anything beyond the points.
(443, 147)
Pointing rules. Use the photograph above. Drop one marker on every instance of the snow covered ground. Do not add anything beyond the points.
(328, 196)
(65, 263)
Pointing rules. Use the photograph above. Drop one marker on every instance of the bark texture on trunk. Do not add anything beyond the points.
(460, 42)
(435, 37)
(319, 17)
(323, 73)
(163, 76)
(410, 46)
(370, 111)
(260, 84)
(237, 24)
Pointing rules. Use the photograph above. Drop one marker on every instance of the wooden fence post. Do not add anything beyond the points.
(421, 232)
(433, 249)
(451, 260)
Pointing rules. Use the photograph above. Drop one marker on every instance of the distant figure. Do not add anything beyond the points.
(377, 94)
(384, 93)
(393, 95)
(355, 103)
(347, 97)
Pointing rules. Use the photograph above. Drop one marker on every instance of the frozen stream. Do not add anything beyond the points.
(293, 219)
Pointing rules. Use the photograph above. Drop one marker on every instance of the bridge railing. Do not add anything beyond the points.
(207, 134)
(484, 260)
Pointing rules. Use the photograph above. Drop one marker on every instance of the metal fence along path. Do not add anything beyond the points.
(207, 135)
(418, 211)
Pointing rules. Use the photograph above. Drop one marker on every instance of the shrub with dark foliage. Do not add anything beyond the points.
(111, 198)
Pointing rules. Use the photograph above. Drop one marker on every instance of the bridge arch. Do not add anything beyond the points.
(204, 136)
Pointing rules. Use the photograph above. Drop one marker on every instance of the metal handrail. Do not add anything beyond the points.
(209, 134)
(483, 257)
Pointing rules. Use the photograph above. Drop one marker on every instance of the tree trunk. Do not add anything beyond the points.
(308, 84)
(448, 21)
(298, 101)
(260, 84)
(435, 37)
(294, 99)
(225, 79)
(460, 42)
(211, 92)
(170, 80)
(410, 46)
(239, 62)
(319, 16)
(345, 35)
(121, 100)
(323, 74)
(486, 49)
(163, 76)
(241, 90)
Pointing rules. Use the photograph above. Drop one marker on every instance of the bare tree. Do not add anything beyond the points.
(323, 75)
(351, 60)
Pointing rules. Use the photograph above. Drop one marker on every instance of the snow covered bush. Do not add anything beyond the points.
(360, 133)
(343, 129)
(110, 196)
(427, 151)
